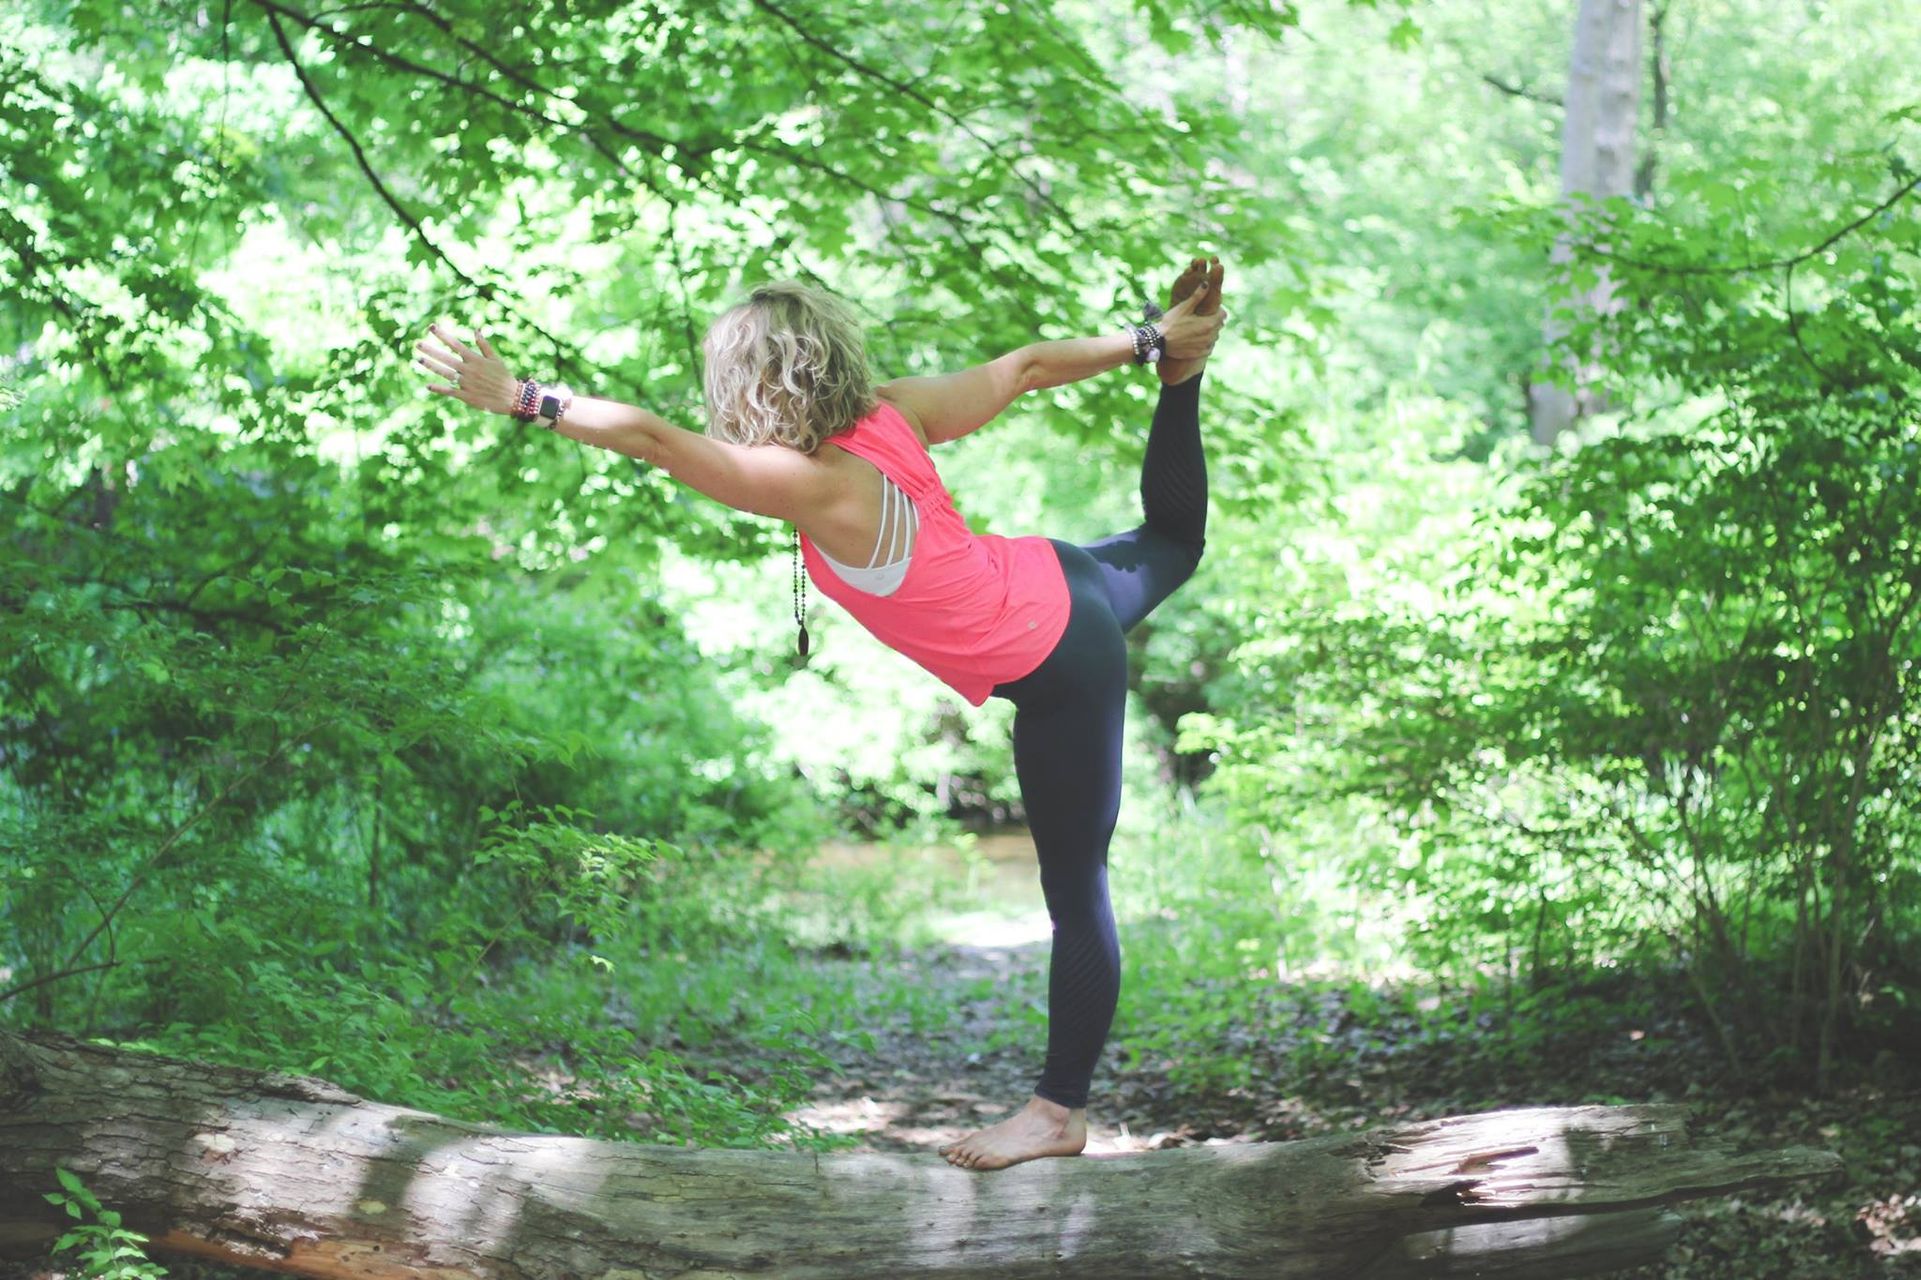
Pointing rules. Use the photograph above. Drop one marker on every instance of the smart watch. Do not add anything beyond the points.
(553, 403)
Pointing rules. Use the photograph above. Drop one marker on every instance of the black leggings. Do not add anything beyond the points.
(1068, 717)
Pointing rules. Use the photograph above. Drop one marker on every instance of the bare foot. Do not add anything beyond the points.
(1173, 371)
(1041, 1128)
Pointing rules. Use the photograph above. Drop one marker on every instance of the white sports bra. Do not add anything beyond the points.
(899, 521)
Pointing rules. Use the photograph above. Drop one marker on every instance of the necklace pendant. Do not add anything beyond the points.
(802, 641)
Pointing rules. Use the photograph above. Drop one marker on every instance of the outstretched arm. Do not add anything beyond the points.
(951, 405)
(768, 480)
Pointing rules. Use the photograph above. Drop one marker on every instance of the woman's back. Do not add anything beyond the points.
(976, 610)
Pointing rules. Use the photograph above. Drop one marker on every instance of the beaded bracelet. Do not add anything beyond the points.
(526, 402)
(1147, 343)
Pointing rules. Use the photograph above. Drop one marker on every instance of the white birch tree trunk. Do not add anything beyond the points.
(1597, 160)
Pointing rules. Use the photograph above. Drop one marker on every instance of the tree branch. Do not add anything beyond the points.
(482, 288)
(1697, 269)
(48, 978)
(909, 91)
(658, 144)
(173, 838)
(1521, 91)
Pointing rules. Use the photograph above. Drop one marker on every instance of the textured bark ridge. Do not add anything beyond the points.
(293, 1174)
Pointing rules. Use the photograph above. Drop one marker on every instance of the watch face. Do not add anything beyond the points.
(550, 406)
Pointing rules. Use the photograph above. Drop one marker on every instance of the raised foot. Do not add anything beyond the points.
(1041, 1128)
(1198, 269)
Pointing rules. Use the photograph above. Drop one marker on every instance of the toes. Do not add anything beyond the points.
(1184, 284)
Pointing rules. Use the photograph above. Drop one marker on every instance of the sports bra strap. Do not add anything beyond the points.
(897, 524)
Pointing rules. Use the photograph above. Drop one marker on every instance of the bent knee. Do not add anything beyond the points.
(1190, 556)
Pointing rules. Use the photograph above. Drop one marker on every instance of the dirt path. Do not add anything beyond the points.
(914, 1092)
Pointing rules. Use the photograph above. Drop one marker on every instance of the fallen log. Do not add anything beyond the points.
(293, 1174)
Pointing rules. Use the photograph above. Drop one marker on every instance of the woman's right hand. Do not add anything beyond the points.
(1188, 336)
(475, 375)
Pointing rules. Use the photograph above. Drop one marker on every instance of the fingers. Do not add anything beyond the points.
(449, 361)
(1186, 305)
(446, 335)
(440, 354)
(436, 364)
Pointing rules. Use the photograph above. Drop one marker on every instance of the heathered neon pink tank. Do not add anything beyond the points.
(977, 610)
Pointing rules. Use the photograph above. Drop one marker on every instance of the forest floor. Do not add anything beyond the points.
(914, 1091)
(929, 1042)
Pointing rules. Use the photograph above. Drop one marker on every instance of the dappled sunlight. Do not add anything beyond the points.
(1077, 1225)
(958, 1193)
(1461, 1249)
(991, 928)
(485, 1194)
(855, 1115)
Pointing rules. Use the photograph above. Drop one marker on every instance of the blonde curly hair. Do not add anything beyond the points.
(787, 366)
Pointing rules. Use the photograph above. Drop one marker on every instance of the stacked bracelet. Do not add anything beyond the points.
(535, 401)
(526, 401)
(1148, 343)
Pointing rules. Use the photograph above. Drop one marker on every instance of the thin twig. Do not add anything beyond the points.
(907, 90)
(1696, 269)
(44, 979)
(173, 838)
(1521, 91)
(482, 288)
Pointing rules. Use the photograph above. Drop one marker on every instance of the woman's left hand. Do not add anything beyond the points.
(474, 376)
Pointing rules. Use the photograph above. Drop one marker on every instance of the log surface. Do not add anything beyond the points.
(294, 1174)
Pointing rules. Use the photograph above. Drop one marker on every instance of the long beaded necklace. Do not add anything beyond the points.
(800, 597)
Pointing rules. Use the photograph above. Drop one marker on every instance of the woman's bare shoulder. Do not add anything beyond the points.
(912, 419)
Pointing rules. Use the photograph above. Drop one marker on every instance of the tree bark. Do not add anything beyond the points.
(293, 1174)
(1659, 77)
(1597, 160)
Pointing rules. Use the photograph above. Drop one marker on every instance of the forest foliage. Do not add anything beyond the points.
(346, 731)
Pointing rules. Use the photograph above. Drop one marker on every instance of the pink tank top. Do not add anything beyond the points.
(977, 610)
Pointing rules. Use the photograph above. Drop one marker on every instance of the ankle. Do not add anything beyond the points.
(1048, 1109)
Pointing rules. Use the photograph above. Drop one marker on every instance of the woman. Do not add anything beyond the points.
(1034, 620)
